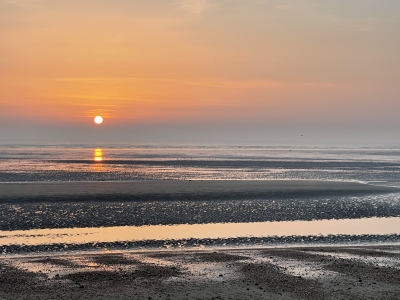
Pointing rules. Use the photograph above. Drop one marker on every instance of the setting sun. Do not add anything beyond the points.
(98, 120)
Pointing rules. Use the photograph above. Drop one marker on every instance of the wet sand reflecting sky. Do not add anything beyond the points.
(200, 231)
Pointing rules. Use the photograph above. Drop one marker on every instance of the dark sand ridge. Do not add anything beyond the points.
(184, 190)
(270, 273)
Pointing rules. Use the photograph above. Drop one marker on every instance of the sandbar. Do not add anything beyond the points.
(183, 190)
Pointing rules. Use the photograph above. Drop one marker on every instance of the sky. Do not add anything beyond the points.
(259, 72)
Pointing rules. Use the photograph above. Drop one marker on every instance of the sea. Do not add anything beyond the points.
(82, 225)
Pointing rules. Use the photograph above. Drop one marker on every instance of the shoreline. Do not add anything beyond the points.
(196, 236)
(205, 244)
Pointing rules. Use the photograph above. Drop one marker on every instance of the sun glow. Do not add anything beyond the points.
(98, 120)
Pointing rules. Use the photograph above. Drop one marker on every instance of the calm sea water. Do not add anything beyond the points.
(19, 164)
(43, 226)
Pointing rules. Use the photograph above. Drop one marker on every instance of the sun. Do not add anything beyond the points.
(98, 120)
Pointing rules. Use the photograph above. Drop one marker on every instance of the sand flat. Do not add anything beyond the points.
(141, 190)
(268, 273)
(105, 204)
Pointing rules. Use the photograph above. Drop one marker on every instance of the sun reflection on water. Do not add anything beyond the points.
(98, 159)
(98, 155)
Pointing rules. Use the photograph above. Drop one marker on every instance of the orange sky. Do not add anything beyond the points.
(199, 62)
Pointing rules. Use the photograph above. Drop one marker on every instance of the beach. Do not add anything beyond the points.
(41, 205)
(198, 237)
(341, 268)
(64, 216)
(314, 272)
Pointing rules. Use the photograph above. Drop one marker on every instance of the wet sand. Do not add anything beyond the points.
(25, 206)
(356, 272)
(272, 273)
(182, 190)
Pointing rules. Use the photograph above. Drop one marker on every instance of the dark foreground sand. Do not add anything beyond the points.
(364, 272)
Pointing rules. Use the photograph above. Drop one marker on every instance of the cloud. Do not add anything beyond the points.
(26, 3)
(317, 84)
(94, 97)
(23, 2)
(196, 6)
(105, 113)
(364, 29)
(284, 7)
(209, 82)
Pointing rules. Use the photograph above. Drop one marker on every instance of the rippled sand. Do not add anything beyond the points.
(270, 273)
(103, 204)
(368, 272)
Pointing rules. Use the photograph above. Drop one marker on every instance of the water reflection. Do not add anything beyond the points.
(98, 155)
(377, 226)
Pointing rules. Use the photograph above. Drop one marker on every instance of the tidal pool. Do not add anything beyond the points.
(372, 226)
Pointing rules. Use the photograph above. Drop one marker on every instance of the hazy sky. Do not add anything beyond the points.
(200, 71)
